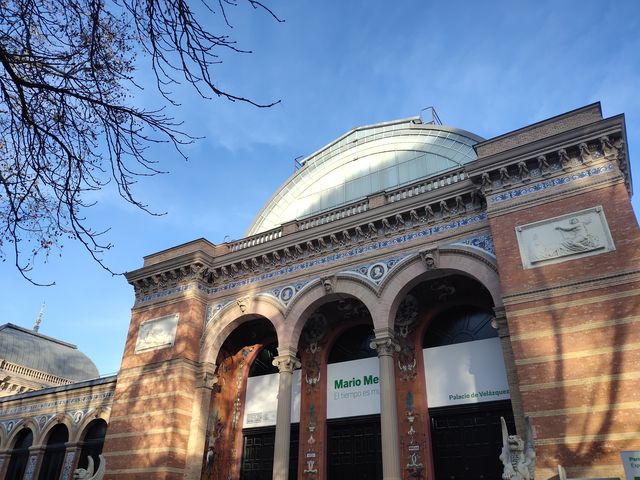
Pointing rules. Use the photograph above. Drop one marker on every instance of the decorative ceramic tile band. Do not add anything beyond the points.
(57, 403)
(482, 242)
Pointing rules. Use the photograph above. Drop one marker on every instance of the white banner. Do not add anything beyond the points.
(353, 388)
(631, 462)
(469, 372)
(261, 400)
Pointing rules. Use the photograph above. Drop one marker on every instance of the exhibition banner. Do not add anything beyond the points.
(261, 400)
(469, 372)
(631, 463)
(353, 388)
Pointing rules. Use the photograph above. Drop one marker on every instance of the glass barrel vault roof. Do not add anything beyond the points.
(365, 161)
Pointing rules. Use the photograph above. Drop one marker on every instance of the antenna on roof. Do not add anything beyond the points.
(296, 163)
(36, 327)
(435, 119)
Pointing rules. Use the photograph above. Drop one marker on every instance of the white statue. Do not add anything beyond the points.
(82, 474)
(519, 460)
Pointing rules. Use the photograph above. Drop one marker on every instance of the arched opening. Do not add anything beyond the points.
(92, 443)
(451, 319)
(54, 453)
(20, 454)
(241, 430)
(341, 398)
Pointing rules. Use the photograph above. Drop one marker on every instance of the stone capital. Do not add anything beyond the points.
(286, 363)
(384, 343)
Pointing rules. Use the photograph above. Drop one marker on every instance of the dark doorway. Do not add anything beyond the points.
(54, 453)
(467, 440)
(257, 453)
(20, 455)
(355, 448)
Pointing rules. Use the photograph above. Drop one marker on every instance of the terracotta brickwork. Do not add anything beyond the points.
(574, 333)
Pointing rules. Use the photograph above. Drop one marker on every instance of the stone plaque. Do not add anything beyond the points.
(157, 333)
(567, 237)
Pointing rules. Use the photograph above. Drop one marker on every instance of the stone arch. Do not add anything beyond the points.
(314, 295)
(29, 423)
(92, 415)
(59, 419)
(451, 260)
(235, 314)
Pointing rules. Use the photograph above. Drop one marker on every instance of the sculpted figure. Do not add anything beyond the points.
(298, 250)
(543, 165)
(335, 243)
(311, 248)
(504, 176)
(518, 457)
(460, 206)
(287, 253)
(414, 217)
(255, 263)
(429, 213)
(523, 171)
(444, 208)
(565, 161)
(322, 244)
(386, 226)
(399, 221)
(585, 154)
(265, 260)
(607, 147)
(234, 268)
(372, 230)
(485, 182)
(359, 233)
(87, 474)
(346, 237)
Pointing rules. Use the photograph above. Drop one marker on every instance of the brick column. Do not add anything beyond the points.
(286, 363)
(386, 345)
(199, 420)
(502, 326)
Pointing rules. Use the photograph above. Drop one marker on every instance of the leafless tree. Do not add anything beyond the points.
(68, 122)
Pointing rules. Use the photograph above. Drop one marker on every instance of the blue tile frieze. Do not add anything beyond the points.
(55, 403)
(551, 183)
(483, 242)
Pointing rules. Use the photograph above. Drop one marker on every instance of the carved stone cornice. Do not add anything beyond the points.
(174, 277)
(603, 140)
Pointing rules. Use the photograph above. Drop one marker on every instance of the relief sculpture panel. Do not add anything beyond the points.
(157, 333)
(567, 237)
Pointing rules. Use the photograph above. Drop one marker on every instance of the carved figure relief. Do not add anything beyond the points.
(157, 333)
(428, 211)
(523, 171)
(505, 178)
(543, 165)
(562, 238)
(565, 161)
(88, 474)
(585, 154)
(518, 456)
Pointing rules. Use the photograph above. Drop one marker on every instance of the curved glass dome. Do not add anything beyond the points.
(364, 161)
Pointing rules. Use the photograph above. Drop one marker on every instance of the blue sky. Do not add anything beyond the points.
(488, 67)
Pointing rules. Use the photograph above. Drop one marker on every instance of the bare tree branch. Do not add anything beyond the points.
(67, 122)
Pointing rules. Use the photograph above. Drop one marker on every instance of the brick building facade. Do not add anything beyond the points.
(407, 287)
